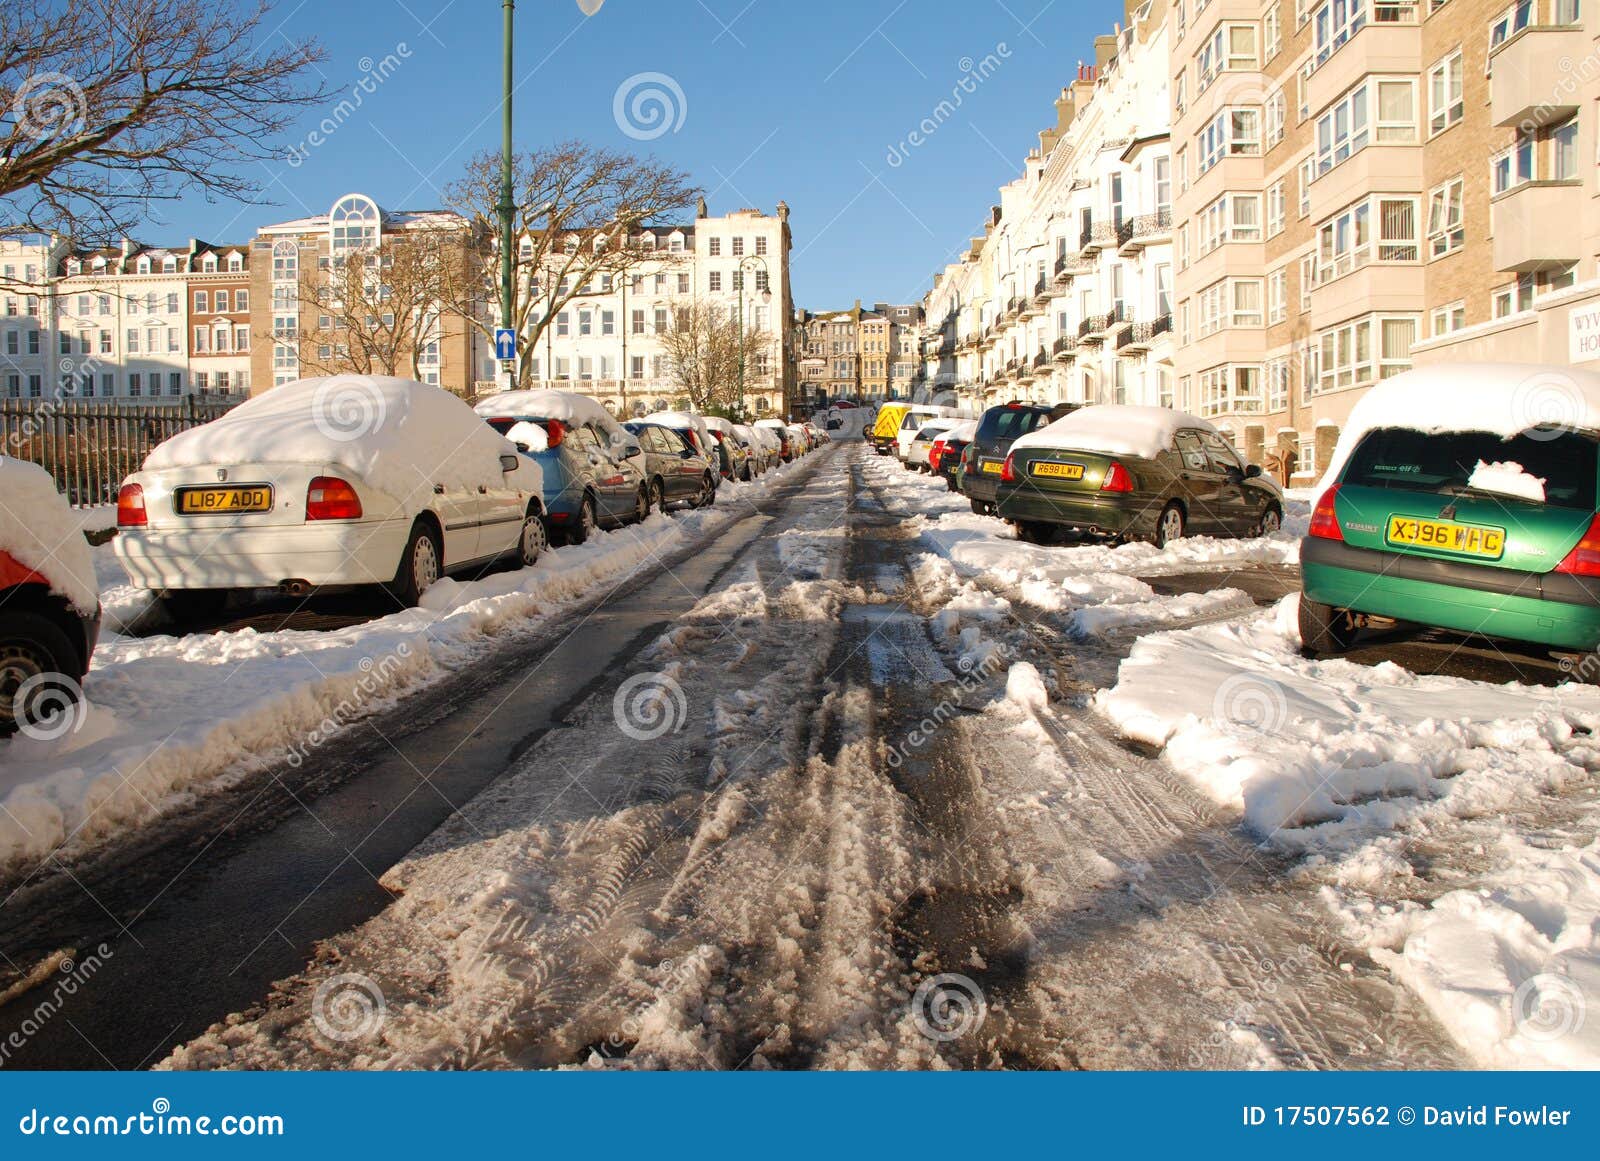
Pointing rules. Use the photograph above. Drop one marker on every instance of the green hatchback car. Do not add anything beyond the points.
(1467, 531)
(1189, 481)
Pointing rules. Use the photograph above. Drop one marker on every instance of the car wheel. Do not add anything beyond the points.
(1271, 521)
(641, 507)
(1324, 630)
(535, 539)
(950, 484)
(421, 564)
(1034, 532)
(979, 508)
(708, 492)
(745, 474)
(38, 671)
(1169, 526)
(186, 606)
(587, 522)
(658, 496)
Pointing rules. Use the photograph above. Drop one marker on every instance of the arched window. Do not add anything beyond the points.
(285, 262)
(354, 222)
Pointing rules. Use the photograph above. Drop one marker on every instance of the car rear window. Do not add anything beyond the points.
(1009, 422)
(1444, 462)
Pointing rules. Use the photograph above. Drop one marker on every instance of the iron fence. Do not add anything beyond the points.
(91, 445)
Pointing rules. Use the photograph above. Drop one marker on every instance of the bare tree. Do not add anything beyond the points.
(107, 107)
(375, 311)
(579, 213)
(703, 348)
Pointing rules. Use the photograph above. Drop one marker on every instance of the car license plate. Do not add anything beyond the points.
(1447, 536)
(224, 501)
(1059, 471)
(992, 467)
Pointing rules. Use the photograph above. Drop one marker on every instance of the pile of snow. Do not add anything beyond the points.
(41, 532)
(526, 433)
(1507, 479)
(566, 407)
(1501, 398)
(1114, 429)
(400, 437)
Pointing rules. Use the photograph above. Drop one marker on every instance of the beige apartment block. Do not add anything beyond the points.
(870, 354)
(1368, 184)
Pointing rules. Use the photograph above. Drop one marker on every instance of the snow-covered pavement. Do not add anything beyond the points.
(899, 790)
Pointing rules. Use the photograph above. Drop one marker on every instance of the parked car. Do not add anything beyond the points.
(1445, 506)
(350, 480)
(49, 607)
(698, 433)
(735, 458)
(945, 456)
(922, 443)
(914, 420)
(1146, 473)
(765, 452)
(789, 446)
(986, 454)
(802, 437)
(676, 472)
(591, 472)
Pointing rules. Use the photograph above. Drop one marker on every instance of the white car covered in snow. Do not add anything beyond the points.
(349, 480)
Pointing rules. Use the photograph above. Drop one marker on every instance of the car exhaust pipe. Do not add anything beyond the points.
(294, 588)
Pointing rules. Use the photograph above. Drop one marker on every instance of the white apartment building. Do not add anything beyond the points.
(27, 351)
(606, 341)
(1068, 294)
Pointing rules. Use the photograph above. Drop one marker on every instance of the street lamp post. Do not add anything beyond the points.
(753, 262)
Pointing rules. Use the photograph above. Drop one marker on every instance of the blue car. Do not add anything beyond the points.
(593, 474)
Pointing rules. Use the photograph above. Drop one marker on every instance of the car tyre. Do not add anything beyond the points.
(641, 506)
(1324, 630)
(979, 508)
(185, 606)
(1271, 521)
(1035, 532)
(1170, 525)
(587, 523)
(421, 564)
(535, 539)
(658, 496)
(32, 647)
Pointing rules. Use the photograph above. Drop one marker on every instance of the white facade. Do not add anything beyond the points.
(1067, 297)
(27, 353)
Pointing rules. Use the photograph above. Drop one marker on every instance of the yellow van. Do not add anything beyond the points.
(887, 427)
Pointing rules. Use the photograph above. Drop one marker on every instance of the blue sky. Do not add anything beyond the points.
(801, 102)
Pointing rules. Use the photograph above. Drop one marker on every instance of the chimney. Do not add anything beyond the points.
(1105, 51)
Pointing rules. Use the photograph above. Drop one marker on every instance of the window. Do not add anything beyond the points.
(738, 247)
(585, 322)
(1513, 167)
(201, 301)
(761, 245)
(1445, 231)
(563, 325)
(1308, 173)
(1446, 105)
(1272, 33)
(241, 339)
(1345, 241)
(1232, 133)
(608, 322)
(353, 223)
(1308, 279)
(133, 342)
(285, 262)
(1277, 381)
(638, 322)
(1353, 354)
(1231, 218)
(1276, 111)
(1563, 150)
(1510, 22)
(1448, 319)
(1224, 389)
(241, 301)
(135, 383)
(714, 247)
(1516, 298)
(1278, 296)
(1277, 209)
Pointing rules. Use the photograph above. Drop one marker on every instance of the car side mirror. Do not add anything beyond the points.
(1235, 475)
(1253, 472)
(687, 453)
(632, 449)
(510, 463)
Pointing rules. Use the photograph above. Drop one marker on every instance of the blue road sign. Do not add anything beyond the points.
(505, 344)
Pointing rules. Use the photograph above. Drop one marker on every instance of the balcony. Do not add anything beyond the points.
(1096, 328)
(1041, 360)
(1366, 286)
(1379, 36)
(1140, 337)
(1097, 237)
(1013, 309)
(1534, 226)
(1523, 84)
(1042, 291)
(1391, 168)
(1065, 349)
(1146, 230)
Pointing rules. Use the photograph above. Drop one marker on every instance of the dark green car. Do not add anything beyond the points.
(1466, 531)
(1196, 485)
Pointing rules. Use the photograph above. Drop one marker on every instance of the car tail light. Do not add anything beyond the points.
(130, 507)
(934, 454)
(556, 430)
(1584, 560)
(1117, 479)
(1325, 517)
(1008, 471)
(330, 498)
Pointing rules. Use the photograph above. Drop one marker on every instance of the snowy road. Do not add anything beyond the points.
(843, 785)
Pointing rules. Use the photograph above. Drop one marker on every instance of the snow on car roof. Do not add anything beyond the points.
(37, 529)
(567, 407)
(966, 429)
(1115, 429)
(1500, 398)
(936, 426)
(399, 436)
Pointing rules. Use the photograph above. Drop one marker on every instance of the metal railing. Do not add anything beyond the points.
(91, 445)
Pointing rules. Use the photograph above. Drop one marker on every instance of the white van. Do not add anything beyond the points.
(914, 421)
